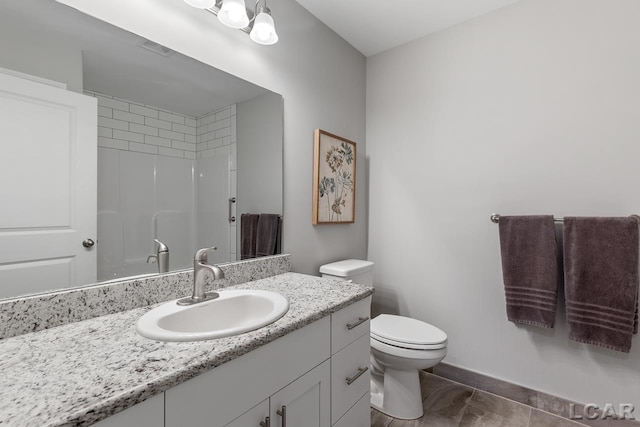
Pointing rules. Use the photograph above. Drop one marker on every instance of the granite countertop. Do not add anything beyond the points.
(83, 372)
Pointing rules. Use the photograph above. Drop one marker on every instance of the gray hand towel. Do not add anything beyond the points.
(248, 235)
(267, 234)
(529, 268)
(601, 280)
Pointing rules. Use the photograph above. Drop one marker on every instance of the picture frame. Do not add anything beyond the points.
(334, 179)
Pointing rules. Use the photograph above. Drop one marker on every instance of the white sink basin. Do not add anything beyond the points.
(236, 311)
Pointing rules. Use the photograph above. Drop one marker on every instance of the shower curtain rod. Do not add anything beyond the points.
(495, 218)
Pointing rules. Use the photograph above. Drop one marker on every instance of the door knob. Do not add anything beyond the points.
(88, 243)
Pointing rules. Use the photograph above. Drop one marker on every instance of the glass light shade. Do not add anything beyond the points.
(233, 13)
(264, 30)
(201, 4)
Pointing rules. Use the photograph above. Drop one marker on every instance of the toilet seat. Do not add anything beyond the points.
(407, 353)
(405, 332)
(408, 345)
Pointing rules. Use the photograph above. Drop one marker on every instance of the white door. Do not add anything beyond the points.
(48, 151)
(304, 402)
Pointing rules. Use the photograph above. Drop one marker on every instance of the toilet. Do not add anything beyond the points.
(400, 348)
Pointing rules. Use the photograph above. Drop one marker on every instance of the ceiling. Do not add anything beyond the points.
(373, 26)
(113, 63)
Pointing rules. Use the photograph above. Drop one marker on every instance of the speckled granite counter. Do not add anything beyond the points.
(80, 373)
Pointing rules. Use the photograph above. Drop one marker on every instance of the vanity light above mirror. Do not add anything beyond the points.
(234, 14)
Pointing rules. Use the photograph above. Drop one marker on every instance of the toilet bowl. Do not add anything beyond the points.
(400, 348)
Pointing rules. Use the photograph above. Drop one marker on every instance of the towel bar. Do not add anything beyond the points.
(495, 218)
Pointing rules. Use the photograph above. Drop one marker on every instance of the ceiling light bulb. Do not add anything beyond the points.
(201, 4)
(264, 29)
(233, 13)
(263, 34)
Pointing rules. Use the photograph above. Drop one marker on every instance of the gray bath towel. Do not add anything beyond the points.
(268, 231)
(601, 280)
(529, 268)
(248, 235)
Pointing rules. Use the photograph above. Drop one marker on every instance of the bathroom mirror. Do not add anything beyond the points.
(183, 150)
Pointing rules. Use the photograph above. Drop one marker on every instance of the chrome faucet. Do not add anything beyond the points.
(161, 257)
(200, 269)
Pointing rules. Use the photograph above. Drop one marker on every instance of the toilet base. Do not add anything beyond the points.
(397, 394)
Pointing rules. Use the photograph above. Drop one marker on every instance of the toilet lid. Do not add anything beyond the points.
(407, 332)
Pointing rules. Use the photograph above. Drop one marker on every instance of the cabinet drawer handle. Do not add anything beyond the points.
(266, 422)
(283, 414)
(360, 321)
(356, 376)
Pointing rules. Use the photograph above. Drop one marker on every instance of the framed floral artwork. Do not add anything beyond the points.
(334, 179)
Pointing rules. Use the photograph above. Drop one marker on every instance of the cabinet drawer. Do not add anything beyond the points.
(359, 415)
(349, 376)
(347, 324)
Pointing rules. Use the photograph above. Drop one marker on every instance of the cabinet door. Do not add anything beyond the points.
(304, 402)
(253, 417)
(149, 413)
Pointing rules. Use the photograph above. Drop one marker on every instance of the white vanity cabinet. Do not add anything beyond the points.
(316, 376)
(293, 371)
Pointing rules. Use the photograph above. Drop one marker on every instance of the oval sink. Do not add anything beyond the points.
(234, 312)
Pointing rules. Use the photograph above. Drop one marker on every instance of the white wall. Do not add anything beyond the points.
(528, 110)
(320, 76)
(59, 60)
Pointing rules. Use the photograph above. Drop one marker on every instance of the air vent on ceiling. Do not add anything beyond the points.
(155, 47)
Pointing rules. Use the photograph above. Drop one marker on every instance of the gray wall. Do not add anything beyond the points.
(320, 76)
(532, 109)
(259, 129)
(32, 51)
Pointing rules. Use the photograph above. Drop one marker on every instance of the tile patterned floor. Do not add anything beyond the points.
(450, 404)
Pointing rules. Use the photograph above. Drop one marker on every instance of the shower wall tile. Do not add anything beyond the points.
(171, 117)
(214, 130)
(160, 124)
(128, 117)
(145, 111)
(130, 126)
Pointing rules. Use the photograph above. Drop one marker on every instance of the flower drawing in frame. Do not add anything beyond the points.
(334, 179)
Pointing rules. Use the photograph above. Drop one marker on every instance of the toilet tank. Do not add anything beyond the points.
(350, 269)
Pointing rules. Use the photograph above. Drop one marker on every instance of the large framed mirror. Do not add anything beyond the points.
(112, 142)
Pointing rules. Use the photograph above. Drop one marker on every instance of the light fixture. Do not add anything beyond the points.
(264, 30)
(233, 13)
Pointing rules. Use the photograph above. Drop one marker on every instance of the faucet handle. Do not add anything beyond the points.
(161, 246)
(201, 254)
